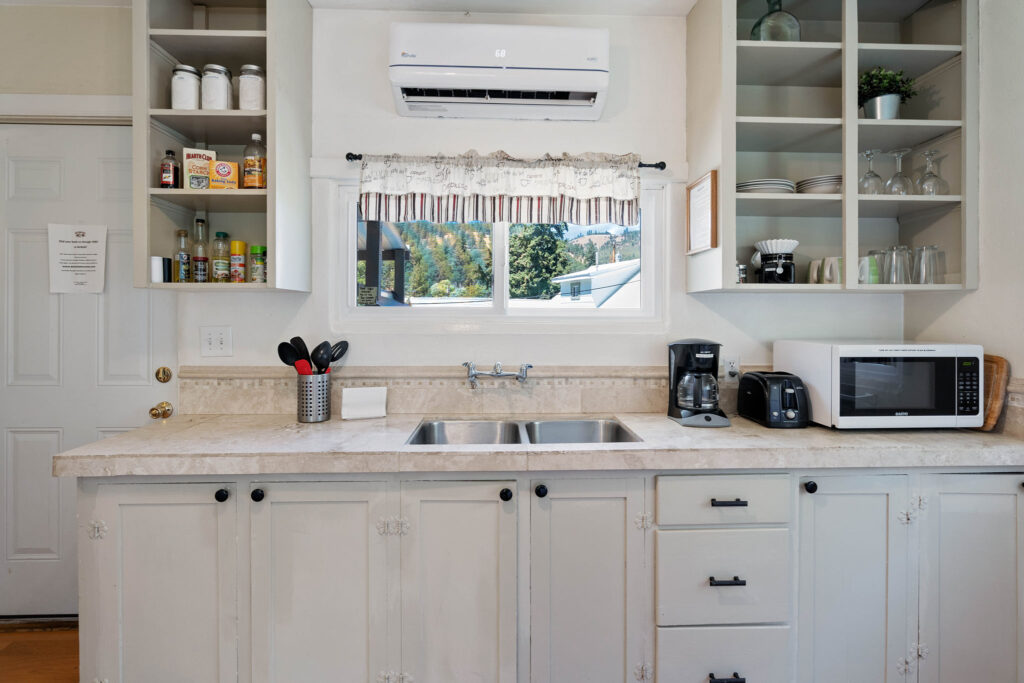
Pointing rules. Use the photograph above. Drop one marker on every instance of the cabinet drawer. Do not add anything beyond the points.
(763, 499)
(761, 654)
(687, 559)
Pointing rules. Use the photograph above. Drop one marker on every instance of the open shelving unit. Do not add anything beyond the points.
(790, 110)
(275, 34)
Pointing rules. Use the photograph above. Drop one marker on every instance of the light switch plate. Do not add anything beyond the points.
(215, 341)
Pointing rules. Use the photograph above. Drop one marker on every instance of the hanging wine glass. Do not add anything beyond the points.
(900, 183)
(871, 182)
(776, 24)
(930, 183)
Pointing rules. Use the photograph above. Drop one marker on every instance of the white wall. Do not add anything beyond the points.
(994, 314)
(353, 111)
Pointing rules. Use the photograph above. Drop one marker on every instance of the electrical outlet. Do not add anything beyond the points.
(215, 341)
(730, 369)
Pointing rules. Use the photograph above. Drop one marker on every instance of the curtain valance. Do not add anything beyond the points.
(585, 190)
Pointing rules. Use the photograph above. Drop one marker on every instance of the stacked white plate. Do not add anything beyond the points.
(820, 184)
(767, 185)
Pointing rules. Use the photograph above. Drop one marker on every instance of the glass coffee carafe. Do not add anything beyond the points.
(697, 391)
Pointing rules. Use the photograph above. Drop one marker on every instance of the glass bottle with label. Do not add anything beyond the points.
(221, 258)
(182, 259)
(254, 164)
(170, 171)
(257, 263)
(200, 253)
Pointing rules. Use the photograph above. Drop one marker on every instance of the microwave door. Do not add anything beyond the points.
(899, 386)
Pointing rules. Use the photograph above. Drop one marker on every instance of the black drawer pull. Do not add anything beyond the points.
(736, 581)
(715, 503)
(735, 678)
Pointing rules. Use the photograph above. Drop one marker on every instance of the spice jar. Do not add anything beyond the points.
(184, 87)
(237, 261)
(252, 88)
(216, 87)
(257, 263)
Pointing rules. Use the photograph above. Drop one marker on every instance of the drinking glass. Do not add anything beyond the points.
(900, 183)
(870, 182)
(930, 183)
(897, 266)
(879, 256)
(926, 265)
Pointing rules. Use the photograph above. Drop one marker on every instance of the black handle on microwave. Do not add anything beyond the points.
(735, 581)
(738, 503)
(735, 678)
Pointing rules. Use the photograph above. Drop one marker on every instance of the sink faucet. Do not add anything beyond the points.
(472, 373)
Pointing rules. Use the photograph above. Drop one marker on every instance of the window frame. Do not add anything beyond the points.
(340, 261)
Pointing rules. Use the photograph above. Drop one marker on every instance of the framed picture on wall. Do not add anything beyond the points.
(702, 213)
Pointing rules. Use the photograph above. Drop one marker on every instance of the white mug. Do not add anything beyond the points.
(832, 270)
(814, 272)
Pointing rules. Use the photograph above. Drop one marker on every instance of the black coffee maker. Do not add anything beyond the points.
(693, 383)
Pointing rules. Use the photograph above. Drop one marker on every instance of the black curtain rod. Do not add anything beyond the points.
(660, 165)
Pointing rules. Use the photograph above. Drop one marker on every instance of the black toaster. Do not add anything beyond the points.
(774, 399)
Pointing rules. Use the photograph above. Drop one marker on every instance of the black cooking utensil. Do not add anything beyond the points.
(300, 346)
(287, 353)
(322, 356)
(338, 350)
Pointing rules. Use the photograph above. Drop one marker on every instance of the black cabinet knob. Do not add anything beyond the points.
(505, 495)
(541, 490)
(811, 487)
(221, 495)
(257, 495)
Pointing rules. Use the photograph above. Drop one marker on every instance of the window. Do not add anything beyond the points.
(550, 267)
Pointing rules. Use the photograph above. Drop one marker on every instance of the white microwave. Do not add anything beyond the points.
(870, 385)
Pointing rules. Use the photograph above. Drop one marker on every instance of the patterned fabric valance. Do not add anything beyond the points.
(585, 190)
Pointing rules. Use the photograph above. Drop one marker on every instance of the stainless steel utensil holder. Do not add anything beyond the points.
(314, 398)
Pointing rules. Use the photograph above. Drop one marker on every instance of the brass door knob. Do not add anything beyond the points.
(161, 410)
(164, 374)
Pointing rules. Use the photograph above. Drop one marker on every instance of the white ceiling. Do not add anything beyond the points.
(620, 7)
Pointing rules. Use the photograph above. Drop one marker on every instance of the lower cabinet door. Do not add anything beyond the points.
(158, 567)
(589, 618)
(972, 570)
(459, 582)
(319, 600)
(854, 622)
(759, 654)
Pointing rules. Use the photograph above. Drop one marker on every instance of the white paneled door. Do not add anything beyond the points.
(76, 367)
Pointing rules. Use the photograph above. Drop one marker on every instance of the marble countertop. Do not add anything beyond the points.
(277, 444)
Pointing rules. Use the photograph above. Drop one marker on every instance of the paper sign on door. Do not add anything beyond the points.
(78, 258)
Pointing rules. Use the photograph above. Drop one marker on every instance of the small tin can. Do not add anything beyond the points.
(741, 273)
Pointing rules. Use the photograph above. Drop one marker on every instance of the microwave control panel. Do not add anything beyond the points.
(968, 391)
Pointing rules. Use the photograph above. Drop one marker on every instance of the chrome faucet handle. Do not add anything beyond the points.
(522, 372)
(470, 373)
(497, 368)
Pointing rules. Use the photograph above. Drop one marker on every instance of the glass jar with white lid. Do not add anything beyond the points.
(252, 88)
(216, 87)
(184, 87)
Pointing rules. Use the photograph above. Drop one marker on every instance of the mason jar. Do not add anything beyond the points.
(216, 87)
(184, 87)
(252, 88)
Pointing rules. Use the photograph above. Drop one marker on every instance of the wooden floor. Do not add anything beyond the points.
(39, 656)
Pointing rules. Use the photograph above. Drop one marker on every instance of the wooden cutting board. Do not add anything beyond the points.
(997, 377)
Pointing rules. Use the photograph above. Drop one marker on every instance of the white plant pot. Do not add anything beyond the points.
(882, 107)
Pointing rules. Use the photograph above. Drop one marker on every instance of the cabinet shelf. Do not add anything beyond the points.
(211, 286)
(789, 205)
(786, 134)
(223, 127)
(198, 47)
(795, 287)
(910, 288)
(914, 60)
(893, 134)
(235, 201)
(887, 206)
(784, 63)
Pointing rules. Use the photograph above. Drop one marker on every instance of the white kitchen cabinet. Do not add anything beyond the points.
(589, 603)
(854, 579)
(972, 559)
(458, 581)
(709, 654)
(319, 581)
(158, 583)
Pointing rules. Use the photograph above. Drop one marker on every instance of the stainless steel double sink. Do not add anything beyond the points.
(601, 430)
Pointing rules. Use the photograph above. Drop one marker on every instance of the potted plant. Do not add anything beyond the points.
(881, 92)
